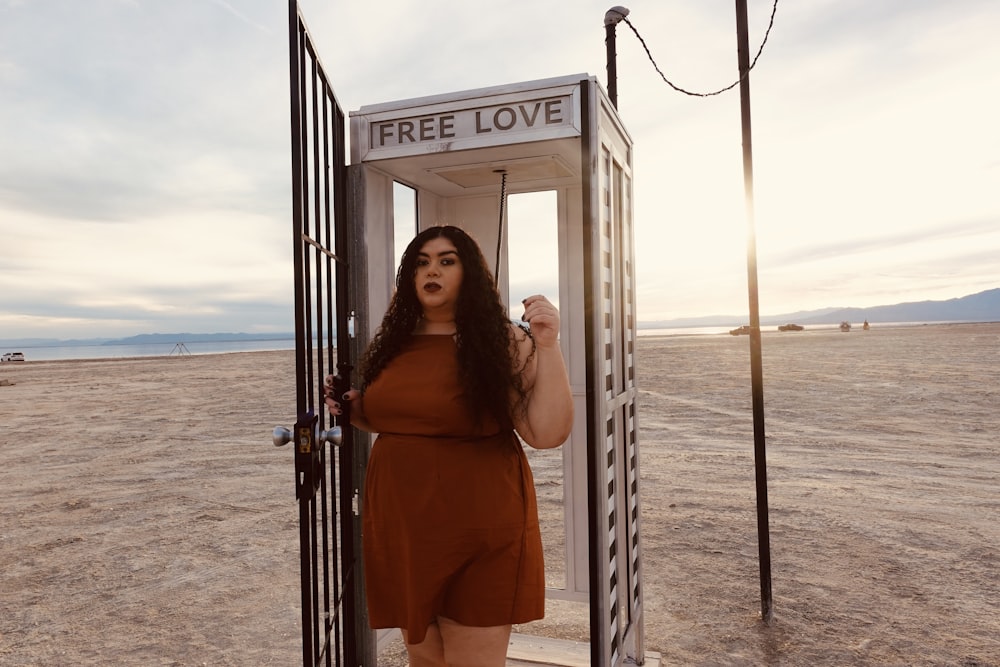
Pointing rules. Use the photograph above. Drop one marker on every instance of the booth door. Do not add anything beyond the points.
(616, 594)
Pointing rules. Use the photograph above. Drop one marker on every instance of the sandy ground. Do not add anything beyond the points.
(146, 519)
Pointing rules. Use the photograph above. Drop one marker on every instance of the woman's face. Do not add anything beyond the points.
(438, 278)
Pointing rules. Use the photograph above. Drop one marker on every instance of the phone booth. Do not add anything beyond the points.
(463, 154)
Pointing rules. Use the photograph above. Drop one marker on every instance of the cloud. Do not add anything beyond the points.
(898, 240)
(140, 106)
(145, 151)
(243, 17)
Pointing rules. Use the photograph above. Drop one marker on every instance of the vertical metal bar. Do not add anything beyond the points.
(756, 364)
(330, 175)
(324, 542)
(303, 343)
(312, 214)
(330, 580)
(302, 485)
(307, 64)
(316, 360)
(323, 236)
(314, 571)
(354, 645)
(327, 241)
(294, 80)
(321, 568)
(304, 569)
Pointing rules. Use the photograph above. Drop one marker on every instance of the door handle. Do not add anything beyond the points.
(281, 436)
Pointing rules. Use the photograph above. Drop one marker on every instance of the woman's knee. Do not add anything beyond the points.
(429, 652)
(469, 646)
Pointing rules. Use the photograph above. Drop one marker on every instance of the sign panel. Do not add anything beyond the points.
(471, 123)
(484, 118)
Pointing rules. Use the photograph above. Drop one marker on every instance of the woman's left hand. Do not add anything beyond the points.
(547, 419)
(543, 318)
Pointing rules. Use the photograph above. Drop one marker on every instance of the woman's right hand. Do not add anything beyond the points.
(333, 402)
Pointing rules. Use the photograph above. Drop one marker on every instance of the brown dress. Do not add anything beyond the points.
(450, 522)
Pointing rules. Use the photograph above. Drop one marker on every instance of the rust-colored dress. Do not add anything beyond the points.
(450, 521)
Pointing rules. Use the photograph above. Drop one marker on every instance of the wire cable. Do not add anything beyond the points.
(770, 25)
(503, 204)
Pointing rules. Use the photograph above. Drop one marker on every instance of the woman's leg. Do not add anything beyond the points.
(428, 653)
(468, 646)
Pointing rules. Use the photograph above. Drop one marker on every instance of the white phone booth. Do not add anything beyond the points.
(564, 136)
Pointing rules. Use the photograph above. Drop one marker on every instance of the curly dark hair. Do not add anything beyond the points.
(486, 349)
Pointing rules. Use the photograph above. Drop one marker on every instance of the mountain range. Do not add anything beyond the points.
(148, 339)
(979, 307)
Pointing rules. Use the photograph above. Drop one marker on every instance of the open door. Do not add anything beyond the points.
(327, 481)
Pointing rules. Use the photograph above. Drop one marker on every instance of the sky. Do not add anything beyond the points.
(145, 160)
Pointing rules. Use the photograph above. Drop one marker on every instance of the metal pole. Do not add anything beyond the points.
(611, 20)
(756, 366)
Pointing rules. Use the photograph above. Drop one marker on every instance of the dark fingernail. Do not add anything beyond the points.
(344, 397)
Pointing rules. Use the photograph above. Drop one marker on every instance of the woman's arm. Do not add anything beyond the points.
(547, 419)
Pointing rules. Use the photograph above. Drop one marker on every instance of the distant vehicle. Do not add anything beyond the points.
(13, 356)
(845, 326)
(742, 331)
(790, 327)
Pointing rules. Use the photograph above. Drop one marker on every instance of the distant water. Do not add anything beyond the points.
(64, 352)
(684, 331)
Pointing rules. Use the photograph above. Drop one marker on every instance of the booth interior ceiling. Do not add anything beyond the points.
(525, 170)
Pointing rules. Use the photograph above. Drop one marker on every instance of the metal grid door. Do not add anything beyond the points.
(325, 482)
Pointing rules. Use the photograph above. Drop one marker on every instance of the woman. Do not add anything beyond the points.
(452, 548)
